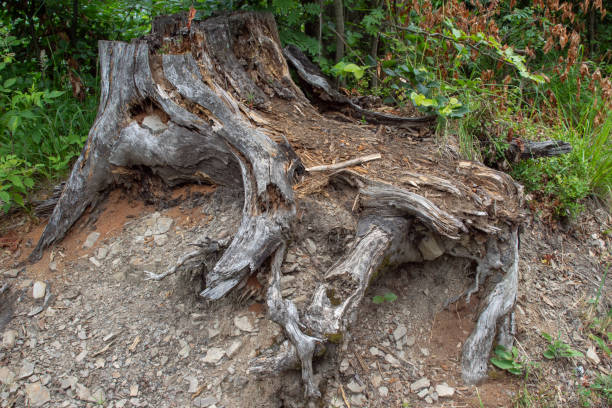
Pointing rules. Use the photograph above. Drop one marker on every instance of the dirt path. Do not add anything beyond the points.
(106, 337)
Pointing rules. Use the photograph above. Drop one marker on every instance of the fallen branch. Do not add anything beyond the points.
(346, 163)
(524, 149)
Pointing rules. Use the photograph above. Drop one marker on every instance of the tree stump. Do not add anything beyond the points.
(215, 103)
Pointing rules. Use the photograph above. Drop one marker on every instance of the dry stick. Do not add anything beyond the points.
(347, 163)
(344, 397)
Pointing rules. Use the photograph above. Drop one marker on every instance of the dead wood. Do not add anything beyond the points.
(525, 149)
(215, 103)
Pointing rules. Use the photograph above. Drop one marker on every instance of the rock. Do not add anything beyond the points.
(68, 382)
(428, 399)
(98, 396)
(185, 350)
(376, 352)
(214, 355)
(410, 340)
(39, 289)
(163, 225)
(83, 393)
(287, 280)
(383, 392)
(37, 394)
(102, 252)
(6, 376)
(94, 261)
(392, 360)
(11, 273)
(423, 393)
(344, 365)
(53, 266)
(233, 348)
(355, 387)
(430, 248)
(154, 124)
(592, 355)
(376, 380)
(399, 332)
(358, 400)
(419, 384)
(26, 370)
(9, 338)
(312, 247)
(160, 239)
(425, 352)
(91, 239)
(244, 323)
(134, 390)
(193, 384)
(443, 390)
(204, 402)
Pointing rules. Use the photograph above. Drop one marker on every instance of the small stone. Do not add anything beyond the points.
(37, 394)
(26, 370)
(423, 393)
(212, 332)
(53, 266)
(134, 390)
(430, 248)
(83, 393)
(39, 289)
(392, 360)
(376, 352)
(383, 392)
(6, 376)
(100, 363)
(94, 261)
(290, 258)
(214, 355)
(419, 384)
(443, 390)
(68, 382)
(160, 239)
(205, 402)
(11, 273)
(354, 387)
(91, 239)
(244, 323)
(399, 332)
(376, 380)
(154, 124)
(163, 225)
(98, 396)
(287, 280)
(358, 400)
(8, 339)
(102, 252)
(312, 247)
(428, 399)
(410, 340)
(344, 365)
(185, 350)
(233, 348)
(425, 352)
(81, 356)
(193, 384)
(592, 355)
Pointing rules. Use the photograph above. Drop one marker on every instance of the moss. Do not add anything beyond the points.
(335, 338)
(333, 299)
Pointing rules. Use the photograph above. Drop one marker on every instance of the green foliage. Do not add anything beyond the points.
(15, 181)
(599, 392)
(507, 360)
(342, 69)
(559, 349)
(387, 297)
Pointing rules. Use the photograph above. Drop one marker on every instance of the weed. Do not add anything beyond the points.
(387, 297)
(558, 349)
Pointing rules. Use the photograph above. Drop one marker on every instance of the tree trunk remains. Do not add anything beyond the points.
(215, 103)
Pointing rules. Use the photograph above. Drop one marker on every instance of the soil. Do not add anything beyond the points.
(109, 337)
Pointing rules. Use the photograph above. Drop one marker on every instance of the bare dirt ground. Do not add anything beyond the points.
(99, 334)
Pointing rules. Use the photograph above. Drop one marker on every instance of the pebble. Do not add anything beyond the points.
(68, 382)
(9, 338)
(444, 390)
(91, 239)
(204, 402)
(134, 390)
(383, 392)
(399, 332)
(312, 247)
(102, 252)
(193, 384)
(233, 348)
(26, 370)
(83, 393)
(392, 360)
(94, 261)
(154, 124)
(53, 266)
(11, 273)
(355, 387)
(344, 365)
(592, 355)
(358, 400)
(185, 350)
(160, 239)
(419, 384)
(410, 340)
(425, 352)
(37, 394)
(430, 248)
(423, 393)
(39, 289)
(6, 376)
(376, 352)
(163, 225)
(428, 399)
(376, 380)
(244, 323)
(214, 355)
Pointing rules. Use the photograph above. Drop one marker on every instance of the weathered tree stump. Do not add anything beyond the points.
(215, 103)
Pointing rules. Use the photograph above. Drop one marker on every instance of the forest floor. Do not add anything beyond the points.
(105, 336)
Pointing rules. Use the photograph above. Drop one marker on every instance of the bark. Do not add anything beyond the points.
(524, 149)
(205, 104)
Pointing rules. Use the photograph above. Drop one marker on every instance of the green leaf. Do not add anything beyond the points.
(549, 355)
(16, 180)
(547, 336)
(390, 297)
(377, 300)
(9, 82)
(28, 182)
(5, 196)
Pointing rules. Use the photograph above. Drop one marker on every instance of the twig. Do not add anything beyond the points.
(348, 405)
(347, 163)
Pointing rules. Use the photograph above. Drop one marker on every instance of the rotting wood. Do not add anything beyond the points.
(525, 149)
(344, 164)
(202, 103)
